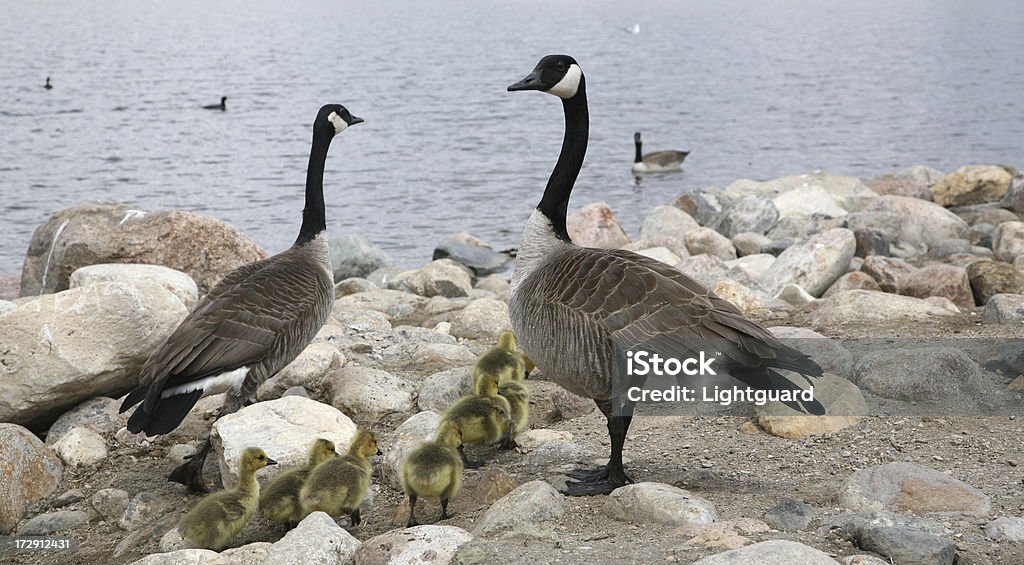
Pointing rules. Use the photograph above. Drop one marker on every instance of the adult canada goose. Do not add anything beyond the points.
(48, 86)
(218, 517)
(253, 323)
(657, 162)
(222, 106)
(576, 311)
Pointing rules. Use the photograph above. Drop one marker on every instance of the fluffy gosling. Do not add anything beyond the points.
(279, 501)
(221, 515)
(338, 486)
(482, 418)
(510, 367)
(434, 470)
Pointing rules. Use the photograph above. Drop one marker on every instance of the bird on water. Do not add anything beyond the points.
(48, 86)
(578, 311)
(222, 106)
(250, 325)
(658, 161)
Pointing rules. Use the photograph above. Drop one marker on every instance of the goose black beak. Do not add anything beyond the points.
(271, 462)
(531, 82)
(356, 120)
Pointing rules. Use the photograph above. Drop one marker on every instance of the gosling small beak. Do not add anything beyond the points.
(271, 461)
(531, 82)
(356, 120)
(379, 452)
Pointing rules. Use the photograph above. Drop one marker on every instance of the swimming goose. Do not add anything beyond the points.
(657, 162)
(48, 86)
(576, 311)
(253, 323)
(222, 106)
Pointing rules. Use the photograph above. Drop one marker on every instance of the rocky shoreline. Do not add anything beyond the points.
(824, 260)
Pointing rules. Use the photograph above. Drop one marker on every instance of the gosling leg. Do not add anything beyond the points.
(412, 512)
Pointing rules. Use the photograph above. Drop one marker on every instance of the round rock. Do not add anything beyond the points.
(658, 504)
(31, 472)
(907, 487)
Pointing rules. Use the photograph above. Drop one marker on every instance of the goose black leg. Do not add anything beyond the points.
(412, 512)
(190, 473)
(354, 519)
(606, 478)
(444, 509)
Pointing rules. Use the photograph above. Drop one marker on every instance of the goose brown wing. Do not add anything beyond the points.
(641, 302)
(236, 326)
(665, 158)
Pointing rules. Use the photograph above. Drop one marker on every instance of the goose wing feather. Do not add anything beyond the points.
(239, 323)
(636, 301)
(665, 158)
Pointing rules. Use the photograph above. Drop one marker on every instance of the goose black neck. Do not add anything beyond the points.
(314, 220)
(638, 157)
(555, 201)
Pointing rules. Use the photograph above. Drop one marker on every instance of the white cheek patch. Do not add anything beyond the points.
(339, 123)
(570, 83)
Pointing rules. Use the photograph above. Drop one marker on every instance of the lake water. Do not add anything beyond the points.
(755, 89)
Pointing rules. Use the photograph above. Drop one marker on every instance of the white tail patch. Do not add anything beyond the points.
(223, 382)
(570, 83)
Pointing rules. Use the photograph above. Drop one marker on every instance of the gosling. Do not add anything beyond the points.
(338, 486)
(511, 368)
(279, 502)
(434, 470)
(482, 417)
(221, 515)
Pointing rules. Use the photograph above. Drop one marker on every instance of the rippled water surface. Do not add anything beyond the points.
(755, 89)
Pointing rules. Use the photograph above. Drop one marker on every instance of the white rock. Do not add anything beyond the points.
(529, 510)
(755, 266)
(773, 552)
(177, 282)
(794, 295)
(707, 240)
(440, 390)
(398, 306)
(845, 191)
(443, 277)
(870, 306)
(814, 264)
(307, 370)
(595, 225)
(420, 545)
(367, 395)
(284, 428)
(658, 504)
(81, 446)
(805, 201)
(1006, 528)
(484, 318)
(662, 254)
(317, 539)
(6, 306)
(99, 414)
(921, 222)
(1008, 241)
(532, 439)
(749, 243)
(180, 557)
(407, 436)
(88, 341)
(667, 221)
(746, 299)
(1004, 309)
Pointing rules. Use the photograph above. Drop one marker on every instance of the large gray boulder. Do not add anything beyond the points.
(354, 256)
(61, 349)
(30, 472)
(921, 222)
(201, 246)
(814, 264)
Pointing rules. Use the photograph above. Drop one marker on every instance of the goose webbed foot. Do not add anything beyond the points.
(595, 481)
(354, 519)
(507, 442)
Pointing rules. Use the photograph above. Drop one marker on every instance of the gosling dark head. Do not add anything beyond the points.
(336, 117)
(559, 75)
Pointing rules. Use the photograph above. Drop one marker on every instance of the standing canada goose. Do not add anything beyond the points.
(434, 470)
(253, 323)
(509, 366)
(657, 162)
(279, 502)
(576, 311)
(48, 86)
(221, 515)
(338, 486)
(222, 106)
(481, 417)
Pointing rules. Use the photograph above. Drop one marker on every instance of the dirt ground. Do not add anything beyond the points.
(741, 474)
